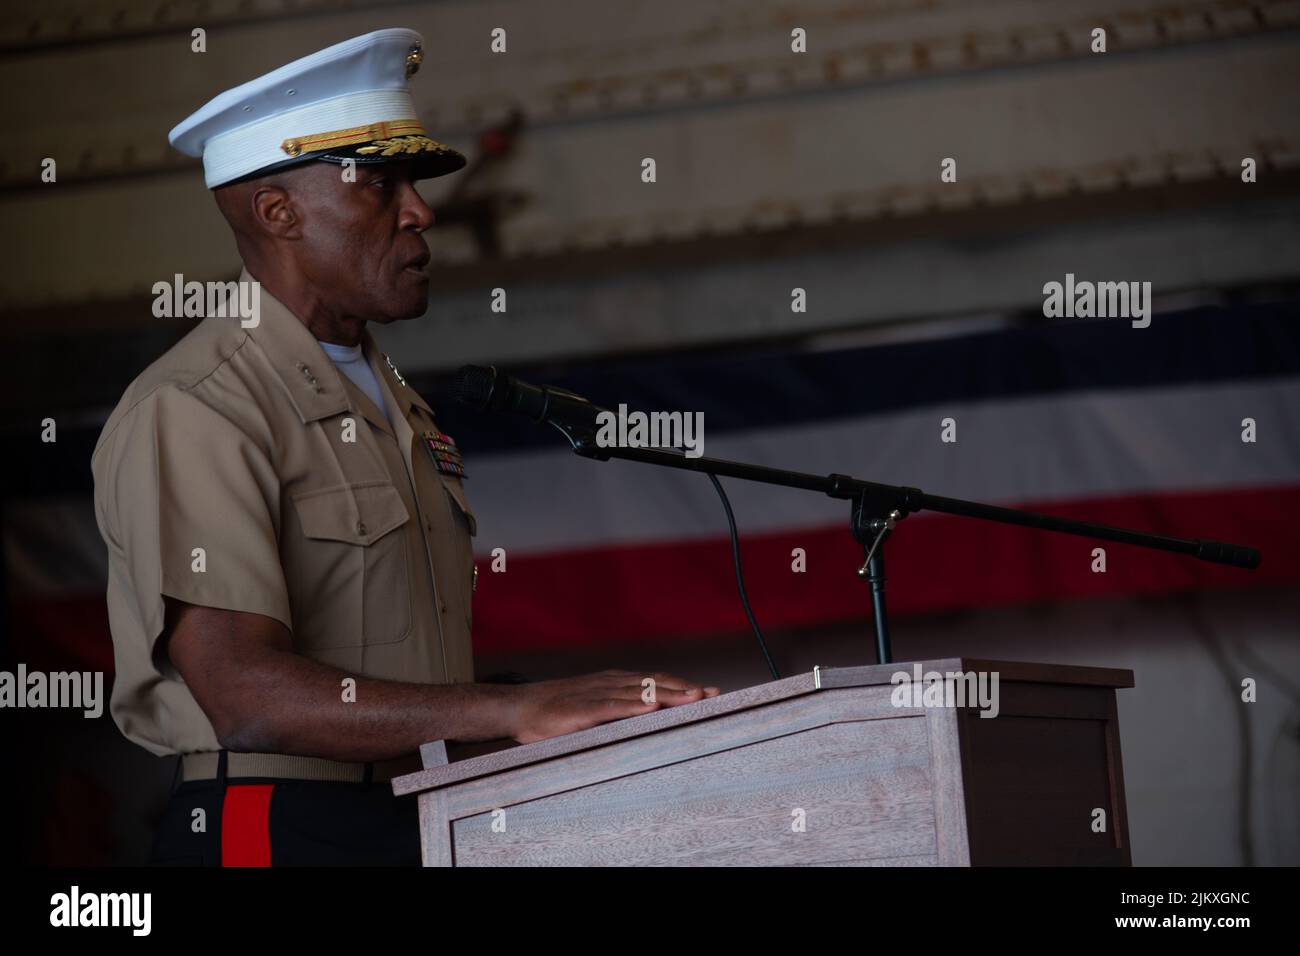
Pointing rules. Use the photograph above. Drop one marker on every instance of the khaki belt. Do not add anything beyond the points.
(203, 766)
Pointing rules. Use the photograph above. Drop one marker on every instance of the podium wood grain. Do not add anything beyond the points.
(721, 781)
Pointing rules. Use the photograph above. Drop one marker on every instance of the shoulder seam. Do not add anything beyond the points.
(185, 388)
(212, 371)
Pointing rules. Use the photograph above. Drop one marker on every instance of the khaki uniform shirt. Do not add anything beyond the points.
(233, 442)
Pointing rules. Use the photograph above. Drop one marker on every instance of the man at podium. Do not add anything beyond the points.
(288, 533)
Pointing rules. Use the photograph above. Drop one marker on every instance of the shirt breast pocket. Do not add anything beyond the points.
(461, 506)
(350, 578)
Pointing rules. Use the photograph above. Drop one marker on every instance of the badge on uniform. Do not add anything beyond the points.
(446, 456)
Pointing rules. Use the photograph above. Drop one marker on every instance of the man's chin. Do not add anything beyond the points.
(408, 307)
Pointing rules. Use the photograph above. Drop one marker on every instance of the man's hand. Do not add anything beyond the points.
(554, 707)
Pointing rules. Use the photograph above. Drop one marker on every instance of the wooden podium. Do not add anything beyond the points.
(817, 769)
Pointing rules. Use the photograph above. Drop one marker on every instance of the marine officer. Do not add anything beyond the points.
(289, 540)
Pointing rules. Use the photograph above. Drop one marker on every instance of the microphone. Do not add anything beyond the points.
(489, 388)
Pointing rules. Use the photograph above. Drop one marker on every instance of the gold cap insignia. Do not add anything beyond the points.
(371, 132)
(414, 57)
(403, 144)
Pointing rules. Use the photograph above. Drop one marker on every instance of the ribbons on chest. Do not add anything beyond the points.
(444, 453)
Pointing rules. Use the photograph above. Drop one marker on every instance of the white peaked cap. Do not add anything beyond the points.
(348, 101)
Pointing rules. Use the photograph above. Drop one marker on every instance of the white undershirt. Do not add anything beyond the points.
(349, 360)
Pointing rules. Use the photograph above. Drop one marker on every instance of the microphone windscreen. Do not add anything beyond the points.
(474, 385)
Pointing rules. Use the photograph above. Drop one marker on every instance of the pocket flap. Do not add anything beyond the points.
(358, 514)
(457, 495)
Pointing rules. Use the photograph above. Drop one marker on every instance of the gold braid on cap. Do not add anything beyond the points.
(390, 137)
(403, 144)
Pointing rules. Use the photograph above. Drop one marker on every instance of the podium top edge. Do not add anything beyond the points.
(1018, 671)
(603, 734)
(809, 682)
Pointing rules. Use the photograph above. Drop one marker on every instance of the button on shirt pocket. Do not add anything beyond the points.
(348, 566)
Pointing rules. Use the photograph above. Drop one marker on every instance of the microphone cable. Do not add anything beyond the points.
(740, 577)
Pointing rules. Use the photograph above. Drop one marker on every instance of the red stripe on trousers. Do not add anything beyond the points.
(246, 825)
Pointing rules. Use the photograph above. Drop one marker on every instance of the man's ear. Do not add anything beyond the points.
(275, 212)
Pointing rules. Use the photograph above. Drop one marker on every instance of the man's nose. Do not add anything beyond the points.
(417, 213)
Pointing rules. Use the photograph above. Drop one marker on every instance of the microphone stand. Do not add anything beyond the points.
(875, 510)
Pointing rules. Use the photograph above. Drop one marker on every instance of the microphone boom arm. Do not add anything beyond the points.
(877, 507)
